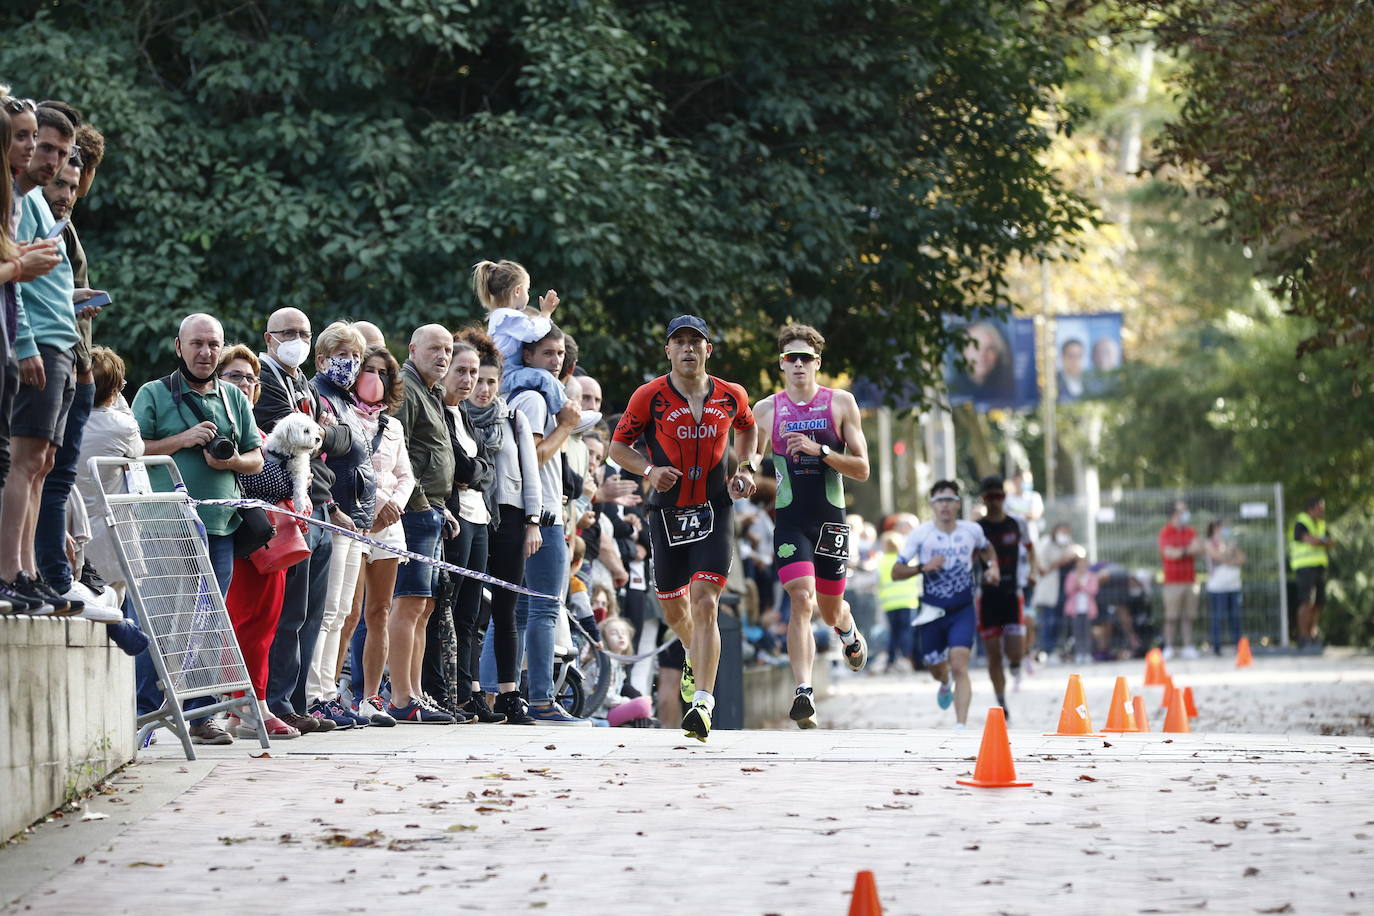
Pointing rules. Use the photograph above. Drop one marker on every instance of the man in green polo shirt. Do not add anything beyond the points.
(169, 417)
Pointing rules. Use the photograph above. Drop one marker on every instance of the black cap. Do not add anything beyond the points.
(993, 484)
(692, 322)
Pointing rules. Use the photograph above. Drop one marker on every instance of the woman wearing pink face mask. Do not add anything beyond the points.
(378, 391)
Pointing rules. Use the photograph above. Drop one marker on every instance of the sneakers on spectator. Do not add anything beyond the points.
(90, 577)
(374, 708)
(305, 724)
(209, 732)
(322, 710)
(803, 710)
(1190, 652)
(276, 728)
(697, 722)
(21, 601)
(513, 706)
(449, 709)
(555, 714)
(92, 607)
(477, 707)
(416, 713)
(856, 653)
(688, 686)
(62, 607)
(1168, 653)
(340, 709)
(945, 695)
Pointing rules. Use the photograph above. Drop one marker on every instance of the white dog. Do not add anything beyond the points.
(297, 437)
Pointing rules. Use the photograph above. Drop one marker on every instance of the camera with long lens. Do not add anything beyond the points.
(221, 447)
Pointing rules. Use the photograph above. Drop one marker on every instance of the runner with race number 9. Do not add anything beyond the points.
(817, 439)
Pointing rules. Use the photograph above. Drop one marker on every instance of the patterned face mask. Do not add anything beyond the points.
(342, 370)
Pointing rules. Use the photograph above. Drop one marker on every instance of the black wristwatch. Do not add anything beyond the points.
(826, 451)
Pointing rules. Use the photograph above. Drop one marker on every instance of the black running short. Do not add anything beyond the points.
(795, 543)
(1000, 613)
(707, 559)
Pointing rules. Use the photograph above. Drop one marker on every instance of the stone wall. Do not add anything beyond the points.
(66, 714)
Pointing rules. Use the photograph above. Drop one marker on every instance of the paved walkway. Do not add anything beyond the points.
(499, 819)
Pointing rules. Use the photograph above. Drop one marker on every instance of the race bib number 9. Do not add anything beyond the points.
(688, 524)
(833, 542)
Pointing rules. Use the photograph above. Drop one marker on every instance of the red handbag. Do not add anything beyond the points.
(286, 548)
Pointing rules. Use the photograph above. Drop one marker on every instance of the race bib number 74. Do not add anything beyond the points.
(688, 524)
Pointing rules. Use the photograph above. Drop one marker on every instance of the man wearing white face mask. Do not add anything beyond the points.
(284, 391)
(1053, 555)
(1179, 545)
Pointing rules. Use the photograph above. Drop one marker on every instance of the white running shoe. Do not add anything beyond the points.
(1168, 653)
(1190, 652)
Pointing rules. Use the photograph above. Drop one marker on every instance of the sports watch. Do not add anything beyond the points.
(826, 451)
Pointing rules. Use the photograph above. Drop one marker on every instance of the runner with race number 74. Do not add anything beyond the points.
(684, 419)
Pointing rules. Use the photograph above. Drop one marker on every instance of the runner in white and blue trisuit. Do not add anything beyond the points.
(942, 553)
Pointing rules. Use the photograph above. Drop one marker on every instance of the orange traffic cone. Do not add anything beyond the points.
(1243, 659)
(1074, 720)
(1168, 692)
(1121, 714)
(1177, 719)
(865, 900)
(1188, 705)
(1154, 668)
(995, 769)
(1142, 720)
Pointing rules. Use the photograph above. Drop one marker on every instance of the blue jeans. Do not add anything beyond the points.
(302, 609)
(1049, 617)
(1225, 606)
(898, 634)
(50, 540)
(221, 549)
(544, 572)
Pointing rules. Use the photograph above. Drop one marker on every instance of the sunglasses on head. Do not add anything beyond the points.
(805, 359)
(19, 106)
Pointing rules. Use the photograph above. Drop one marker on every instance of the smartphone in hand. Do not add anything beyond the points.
(57, 228)
(98, 301)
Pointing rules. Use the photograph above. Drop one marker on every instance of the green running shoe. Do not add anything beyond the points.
(689, 682)
(697, 723)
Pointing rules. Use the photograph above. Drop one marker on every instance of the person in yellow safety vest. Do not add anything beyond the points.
(1309, 551)
(896, 599)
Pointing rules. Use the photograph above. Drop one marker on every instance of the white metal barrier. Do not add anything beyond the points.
(162, 550)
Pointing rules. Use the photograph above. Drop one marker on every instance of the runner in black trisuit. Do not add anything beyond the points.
(1001, 607)
(817, 439)
(684, 420)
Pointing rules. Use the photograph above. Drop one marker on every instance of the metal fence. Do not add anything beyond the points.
(1121, 527)
(159, 540)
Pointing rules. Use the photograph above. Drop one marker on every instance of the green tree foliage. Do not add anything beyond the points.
(865, 165)
(1276, 119)
(1234, 406)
